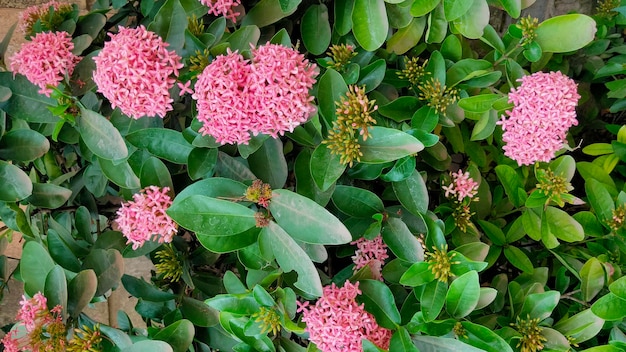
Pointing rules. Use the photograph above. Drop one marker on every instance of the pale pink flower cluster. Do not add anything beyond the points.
(267, 95)
(372, 253)
(134, 72)
(44, 328)
(545, 109)
(45, 60)
(337, 323)
(32, 13)
(144, 219)
(462, 186)
(224, 8)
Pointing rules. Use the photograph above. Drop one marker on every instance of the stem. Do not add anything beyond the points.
(569, 296)
(506, 55)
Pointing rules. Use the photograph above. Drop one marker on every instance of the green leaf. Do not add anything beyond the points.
(580, 327)
(485, 126)
(454, 9)
(357, 202)
(369, 23)
(400, 109)
(512, 184)
(170, 24)
(100, 136)
(463, 295)
(245, 36)
(479, 103)
(198, 312)
(565, 33)
(305, 185)
(618, 287)
(401, 241)
(162, 142)
(401, 341)
(149, 345)
(266, 12)
(269, 164)
(331, 88)
(407, 37)
(518, 259)
(402, 169)
(609, 307)
(155, 173)
(25, 102)
(108, 266)
(141, 289)
(15, 183)
(592, 278)
(420, 8)
(81, 290)
(34, 267)
(484, 338)
(540, 305)
(437, 26)
(343, 16)
(425, 119)
(305, 220)
(23, 145)
(315, 29)
(379, 301)
(387, 144)
(55, 289)
(48, 195)
(472, 24)
(561, 225)
(120, 174)
(417, 275)
(467, 69)
(592, 171)
(326, 167)
(600, 200)
(412, 193)
(372, 75)
(178, 335)
(442, 344)
(493, 232)
(290, 257)
(201, 162)
(432, 299)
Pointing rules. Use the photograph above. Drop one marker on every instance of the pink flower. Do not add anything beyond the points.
(224, 8)
(134, 72)
(45, 60)
(144, 218)
(462, 186)
(280, 82)
(32, 14)
(31, 310)
(10, 342)
(544, 111)
(370, 252)
(184, 88)
(223, 99)
(337, 323)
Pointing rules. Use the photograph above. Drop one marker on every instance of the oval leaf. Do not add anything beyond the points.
(100, 136)
(565, 33)
(388, 144)
(369, 23)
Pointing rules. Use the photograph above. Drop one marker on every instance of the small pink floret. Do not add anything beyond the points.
(135, 72)
(144, 218)
(45, 60)
(224, 8)
(545, 109)
(462, 186)
(370, 252)
(337, 323)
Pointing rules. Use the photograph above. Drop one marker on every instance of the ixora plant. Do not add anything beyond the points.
(354, 175)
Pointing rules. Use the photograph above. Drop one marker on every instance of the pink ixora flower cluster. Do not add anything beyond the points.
(44, 329)
(134, 72)
(462, 186)
(32, 14)
(337, 323)
(224, 8)
(372, 253)
(545, 109)
(267, 95)
(45, 60)
(144, 218)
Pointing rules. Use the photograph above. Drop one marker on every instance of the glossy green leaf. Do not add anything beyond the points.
(141, 289)
(592, 278)
(463, 295)
(201, 162)
(315, 29)
(600, 199)
(55, 289)
(372, 75)
(331, 88)
(423, 7)
(565, 33)
(357, 202)
(25, 102)
(305, 185)
(100, 136)
(609, 307)
(216, 187)
(454, 9)
(290, 257)
(473, 22)
(591, 171)
(412, 193)
(269, 164)
(387, 144)
(484, 338)
(512, 184)
(403, 168)
(120, 174)
(343, 16)
(437, 25)
(305, 220)
(407, 37)
(108, 266)
(369, 23)
(401, 341)
(417, 275)
(246, 35)
(484, 128)
(155, 173)
(401, 241)
(467, 69)
(34, 267)
(198, 312)
(618, 287)
(15, 183)
(561, 225)
(580, 327)
(540, 305)
(479, 103)
(518, 259)
(178, 335)
(81, 290)
(400, 109)
(48, 195)
(149, 345)
(266, 12)
(23, 145)
(162, 142)
(442, 344)
(432, 299)
(378, 300)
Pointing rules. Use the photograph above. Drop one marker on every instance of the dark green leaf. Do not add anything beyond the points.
(179, 335)
(170, 24)
(100, 136)
(201, 162)
(331, 88)
(164, 143)
(379, 301)
(412, 193)
(315, 29)
(518, 259)
(55, 289)
(155, 173)
(400, 109)
(48, 195)
(357, 202)
(442, 344)
(81, 290)
(121, 174)
(199, 313)
(141, 289)
(432, 299)
(484, 338)
(25, 102)
(325, 167)
(34, 267)
(269, 164)
(401, 241)
(15, 183)
(23, 145)
(372, 75)
(108, 266)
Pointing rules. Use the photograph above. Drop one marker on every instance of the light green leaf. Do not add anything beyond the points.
(592, 278)
(518, 259)
(562, 225)
(412, 193)
(15, 183)
(179, 335)
(401, 241)
(55, 289)
(432, 299)
(463, 295)
(540, 305)
(387, 144)
(315, 29)
(34, 267)
(120, 174)
(423, 7)
(454, 9)
(479, 103)
(565, 33)
(408, 37)
(331, 88)
(442, 344)
(580, 327)
(609, 307)
(484, 338)
(369, 23)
